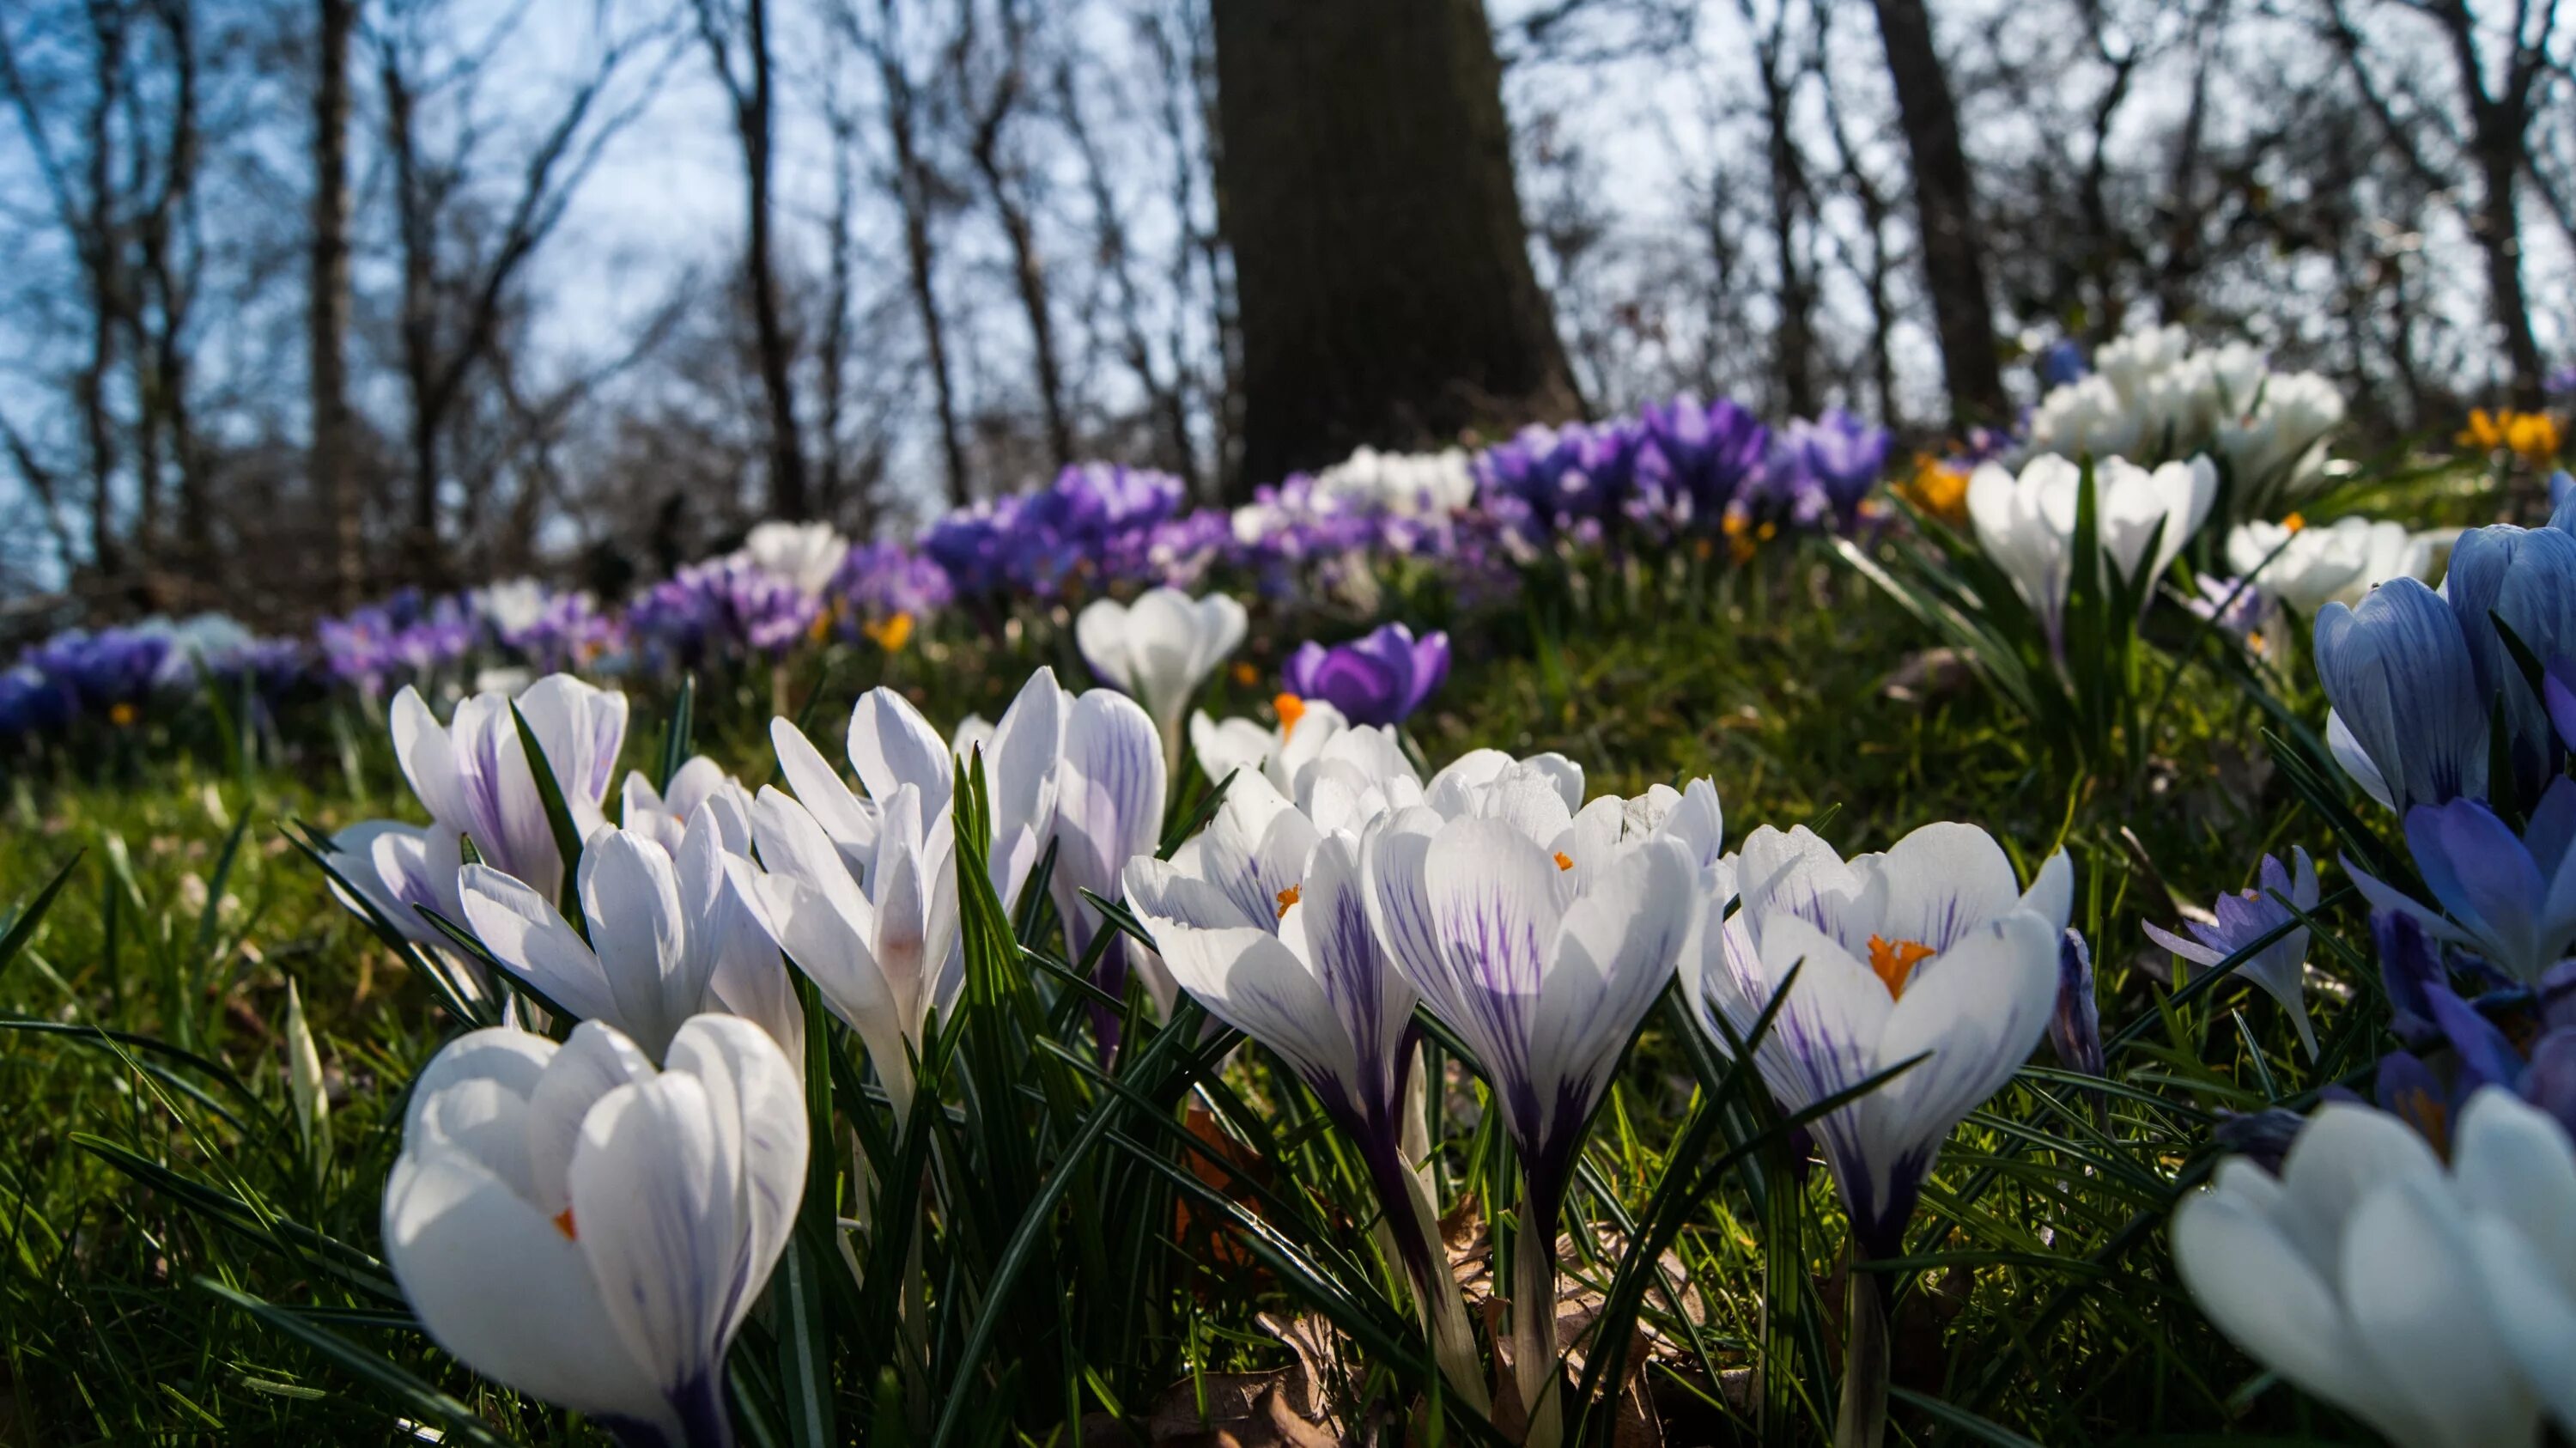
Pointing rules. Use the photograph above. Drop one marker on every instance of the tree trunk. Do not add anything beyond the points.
(1381, 265)
(327, 303)
(913, 196)
(1944, 198)
(787, 492)
(2499, 233)
(1793, 339)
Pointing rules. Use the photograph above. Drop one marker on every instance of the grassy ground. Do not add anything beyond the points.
(147, 1163)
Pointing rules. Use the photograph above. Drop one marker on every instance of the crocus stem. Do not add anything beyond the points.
(1862, 1421)
(1534, 1323)
(1435, 1291)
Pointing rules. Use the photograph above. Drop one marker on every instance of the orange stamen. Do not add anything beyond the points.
(1288, 897)
(563, 1224)
(1893, 961)
(2294, 522)
(1291, 709)
(1564, 861)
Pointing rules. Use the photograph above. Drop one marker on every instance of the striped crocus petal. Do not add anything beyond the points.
(1253, 849)
(1108, 810)
(2402, 681)
(1610, 959)
(1490, 893)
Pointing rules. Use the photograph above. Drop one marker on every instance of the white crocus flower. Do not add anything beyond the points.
(669, 937)
(1929, 947)
(2310, 567)
(1308, 730)
(2142, 518)
(1159, 649)
(512, 606)
(1261, 918)
(1541, 938)
(880, 944)
(891, 745)
(473, 777)
(805, 556)
(664, 815)
(574, 1224)
(2429, 1303)
(2273, 434)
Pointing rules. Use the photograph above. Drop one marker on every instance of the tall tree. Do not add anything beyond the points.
(327, 302)
(748, 83)
(914, 182)
(993, 91)
(1954, 271)
(1381, 264)
(2501, 98)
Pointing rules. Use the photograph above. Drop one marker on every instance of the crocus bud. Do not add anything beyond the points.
(2075, 1027)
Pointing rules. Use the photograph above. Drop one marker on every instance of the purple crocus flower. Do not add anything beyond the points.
(31, 702)
(2454, 1046)
(1379, 679)
(2247, 916)
(1562, 474)
(111, 671)
(407, 636)
(884, 581)
(2061, 364)
(1699, 454)
(968, 545)
(1843, 457)
(2511, 898)
(711, 610)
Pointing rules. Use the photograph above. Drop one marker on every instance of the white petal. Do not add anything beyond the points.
(2511, 1160)
(511, 1059)
(496, 1284)
(819, 788)
(1491, 893)
(1979, 1008)
(1612, 956)
(2051, 895)
(2340, 1157)
(794, 847)
(1235, 744)
(655, 1201)
(523, 931)
(595, 1060)
(1943, 880)
(428, 759)
(891, 745)
(1393, 853)
(2411, 1288)
(1251, 981)
(1109, 804)
(760, 1094)
(632, 899)
(1100, 631)
(2269, 1300)
(2534, 1312)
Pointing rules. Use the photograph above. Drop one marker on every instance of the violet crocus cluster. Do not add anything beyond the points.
(722, 609)
(115, 675)
(405, 638)
(1684, 466)
(1678, 468)
(1095, 520)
